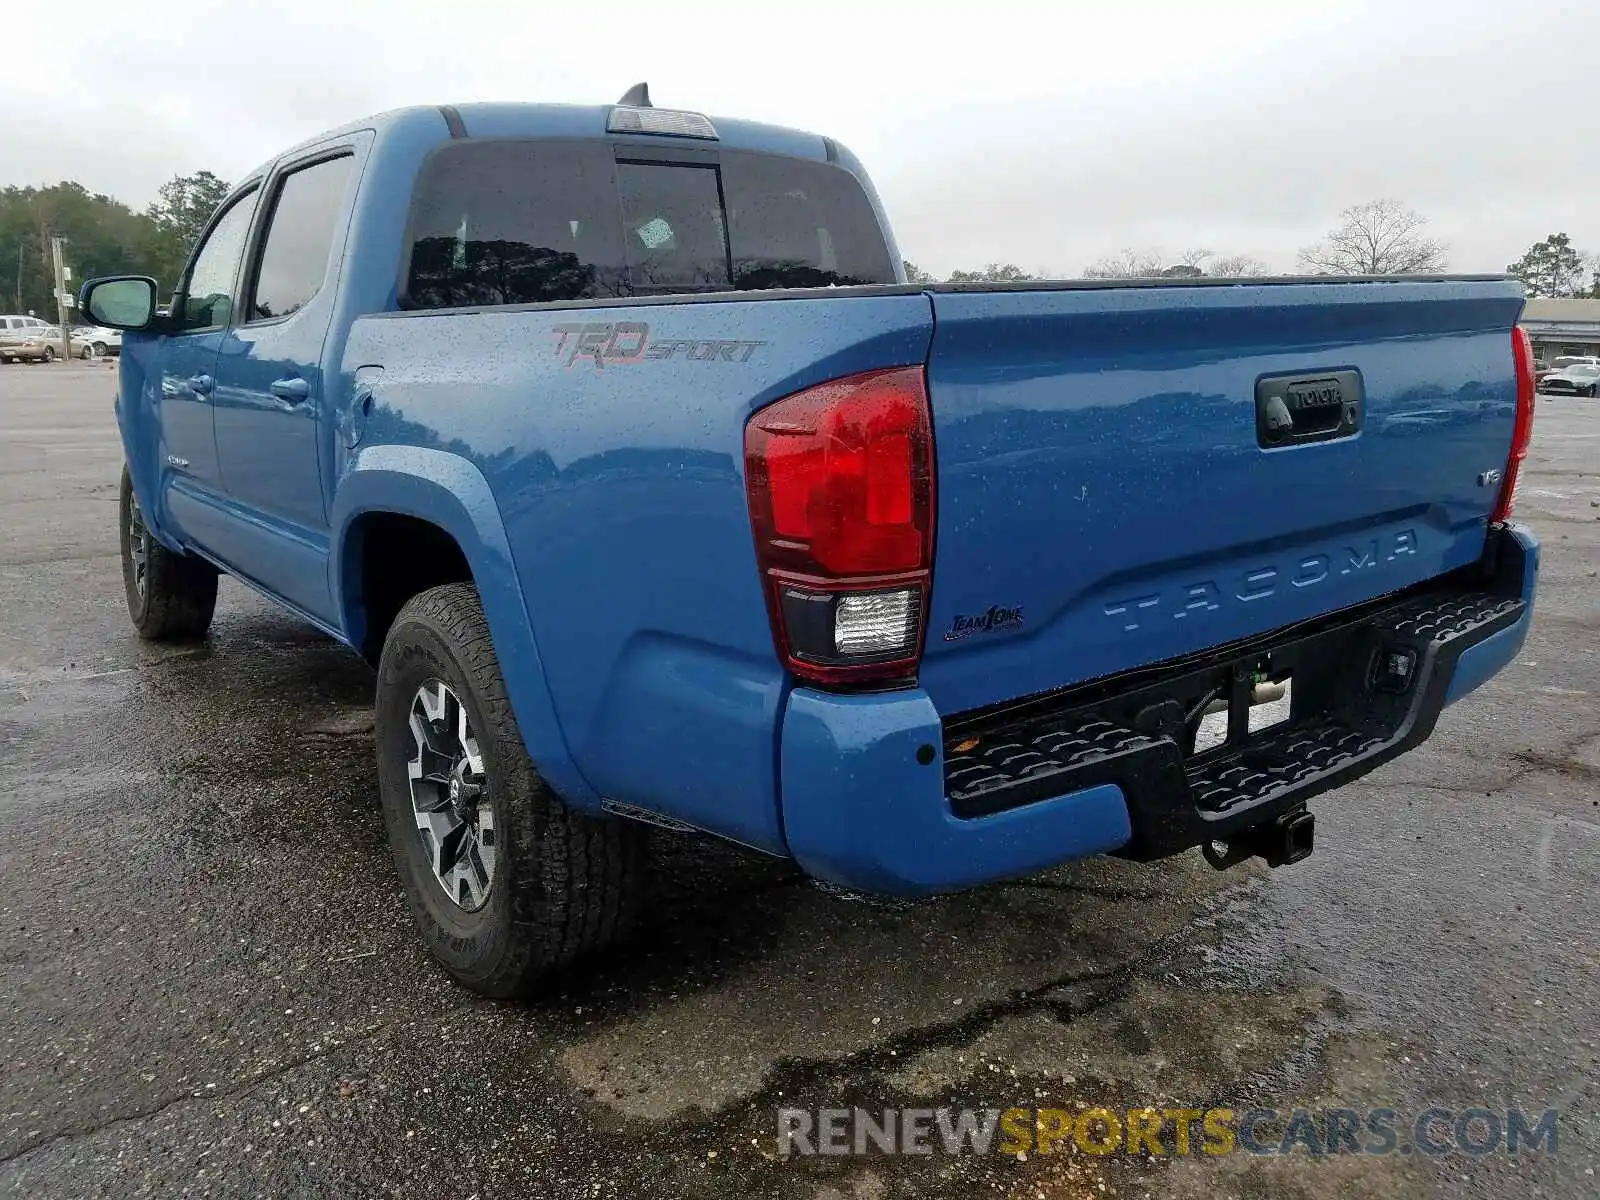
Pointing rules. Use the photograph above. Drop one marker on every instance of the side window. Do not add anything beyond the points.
(208, 296)
(514, 222)
(294, 257)
(673, 227)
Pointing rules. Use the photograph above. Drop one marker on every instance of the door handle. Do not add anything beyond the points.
(201, 384)
(294, 391)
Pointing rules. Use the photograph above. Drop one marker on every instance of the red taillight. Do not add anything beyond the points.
(840, 484)
(1522, 430)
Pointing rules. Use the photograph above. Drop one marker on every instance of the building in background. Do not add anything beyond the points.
(1562, 327)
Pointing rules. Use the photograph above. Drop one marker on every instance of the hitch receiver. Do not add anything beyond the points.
(1286, 839)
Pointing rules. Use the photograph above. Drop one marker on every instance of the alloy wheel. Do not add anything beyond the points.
(450, 796)
(138, 546)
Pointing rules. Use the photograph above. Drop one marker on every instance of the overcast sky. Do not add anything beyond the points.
(1042, 134)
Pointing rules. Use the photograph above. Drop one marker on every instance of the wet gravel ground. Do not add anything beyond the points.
(209, 983)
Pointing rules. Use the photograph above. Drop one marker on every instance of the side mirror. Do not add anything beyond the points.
(119, 301)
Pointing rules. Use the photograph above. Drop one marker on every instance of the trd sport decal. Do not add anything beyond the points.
(616, 343)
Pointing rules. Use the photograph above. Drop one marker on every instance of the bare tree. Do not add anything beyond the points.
(1381, 237)
(915, 274)
(1191, 262)
(1130, 264)
(1238, 266)
(1188, 264)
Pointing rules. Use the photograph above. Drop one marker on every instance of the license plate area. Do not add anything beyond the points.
(1363, 685)
(1142, 730)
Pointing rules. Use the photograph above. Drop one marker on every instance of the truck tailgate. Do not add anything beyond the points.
(1115, 485)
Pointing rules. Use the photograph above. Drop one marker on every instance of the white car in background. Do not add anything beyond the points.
(101, 340)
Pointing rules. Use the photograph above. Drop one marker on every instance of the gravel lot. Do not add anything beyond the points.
(209, 983)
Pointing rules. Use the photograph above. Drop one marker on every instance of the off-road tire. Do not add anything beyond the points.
(180, 591)
(564, 885)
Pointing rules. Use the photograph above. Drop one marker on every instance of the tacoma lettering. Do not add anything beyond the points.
(1258, 583)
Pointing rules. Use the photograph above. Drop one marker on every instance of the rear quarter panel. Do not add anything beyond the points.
(620, 484)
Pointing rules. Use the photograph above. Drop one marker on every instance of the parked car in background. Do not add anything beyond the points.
(22, 339)
(1580, 379)
(28, 340)
(1560, 363)
(81, 346)
(102, 341)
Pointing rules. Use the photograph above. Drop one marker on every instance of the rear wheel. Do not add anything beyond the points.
(99, 349)
(170, 596)
(507, 884)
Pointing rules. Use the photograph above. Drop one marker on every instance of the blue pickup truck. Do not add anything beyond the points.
(614, 438)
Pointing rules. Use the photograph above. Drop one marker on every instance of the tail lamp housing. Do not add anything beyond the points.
(1522, 430)
(839, 479)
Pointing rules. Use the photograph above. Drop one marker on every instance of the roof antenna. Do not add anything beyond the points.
(638, 96)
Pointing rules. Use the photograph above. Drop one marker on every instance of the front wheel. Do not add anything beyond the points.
(99, 349)
(171, 596)
(49, 354)
(507, 884)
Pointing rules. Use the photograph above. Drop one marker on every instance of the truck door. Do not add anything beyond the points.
(186, 365)
(271, 415)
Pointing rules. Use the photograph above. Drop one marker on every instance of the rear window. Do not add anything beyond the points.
(674, 228)
(800, 224)
(524, 222)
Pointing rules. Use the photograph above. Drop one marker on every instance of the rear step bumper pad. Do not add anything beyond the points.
(876, 796)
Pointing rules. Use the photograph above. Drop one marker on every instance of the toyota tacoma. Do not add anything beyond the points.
(616, 440)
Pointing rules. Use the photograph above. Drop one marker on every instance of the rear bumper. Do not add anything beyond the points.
(876, 796)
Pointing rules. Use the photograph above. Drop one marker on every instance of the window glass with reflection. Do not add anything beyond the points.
(305, 218)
